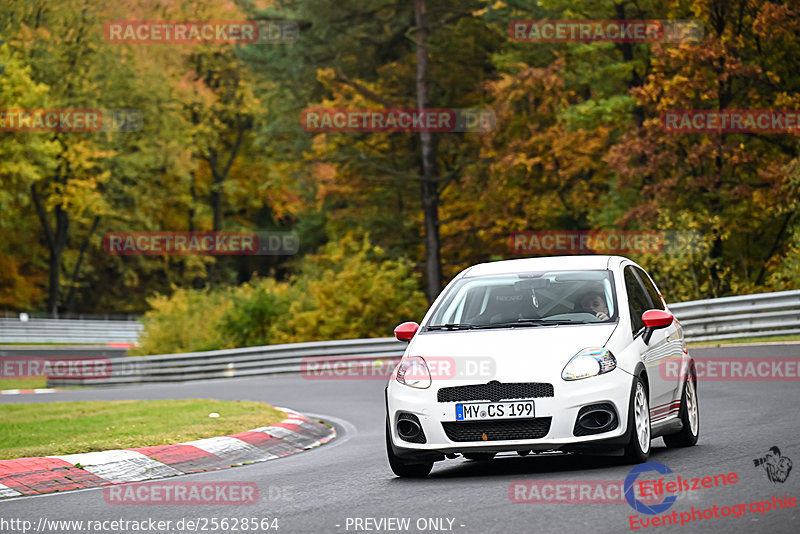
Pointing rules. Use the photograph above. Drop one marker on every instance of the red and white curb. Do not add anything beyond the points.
(21, 391)
(31, 476)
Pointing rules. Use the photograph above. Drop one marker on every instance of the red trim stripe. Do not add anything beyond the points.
(665, 407)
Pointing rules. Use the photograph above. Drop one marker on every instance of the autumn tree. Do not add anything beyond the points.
(383, 55)
(729, 186)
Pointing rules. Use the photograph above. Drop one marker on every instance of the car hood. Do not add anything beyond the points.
(507, 355)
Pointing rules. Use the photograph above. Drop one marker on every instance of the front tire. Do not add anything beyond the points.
(690, 417)
(400, 467)
(638, 448)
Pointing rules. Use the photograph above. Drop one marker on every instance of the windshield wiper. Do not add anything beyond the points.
(518, 322)
(451, 326)
(531, 322)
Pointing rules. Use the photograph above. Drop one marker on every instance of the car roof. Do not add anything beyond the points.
(550, 263)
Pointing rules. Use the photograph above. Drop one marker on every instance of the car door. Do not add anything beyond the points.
(653, 353)
(670, 338)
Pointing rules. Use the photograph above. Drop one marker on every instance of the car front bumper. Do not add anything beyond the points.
(562, 409)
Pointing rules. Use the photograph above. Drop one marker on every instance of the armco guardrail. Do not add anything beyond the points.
(725, 318)
(765, 314)
(68, 331)
(251, 361)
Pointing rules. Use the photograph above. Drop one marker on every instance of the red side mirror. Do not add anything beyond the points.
(406, 331)
(657, 319)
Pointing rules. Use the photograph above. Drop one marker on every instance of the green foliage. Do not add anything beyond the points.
(681, 269)
(349, 290)
(188, 320)
(786, 275)
(254, 308)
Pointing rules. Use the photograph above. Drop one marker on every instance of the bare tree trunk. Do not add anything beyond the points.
(193, 192)
(216, 192)
(56, 241)
(76, 272)
(218, 177)
(429, 188)
(775, 244)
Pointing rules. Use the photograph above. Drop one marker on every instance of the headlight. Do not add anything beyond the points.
(589, 362)
(414, 372)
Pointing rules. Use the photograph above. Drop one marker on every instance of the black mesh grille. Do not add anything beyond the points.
(497, 430)
(582, 431)
(495, 391)
(420, 438)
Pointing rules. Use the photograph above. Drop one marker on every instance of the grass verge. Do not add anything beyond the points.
(720, 342)
(30, 382)
(42, 429)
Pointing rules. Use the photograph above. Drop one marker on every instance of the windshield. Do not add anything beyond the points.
(527, 299)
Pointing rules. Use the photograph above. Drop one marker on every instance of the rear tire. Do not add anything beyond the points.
(689, 416)
(401, 467)
(638, 448)
(479, 456)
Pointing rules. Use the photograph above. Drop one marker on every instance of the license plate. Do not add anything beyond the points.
(494, 410)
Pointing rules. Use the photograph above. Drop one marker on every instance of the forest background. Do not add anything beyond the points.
(384, 219)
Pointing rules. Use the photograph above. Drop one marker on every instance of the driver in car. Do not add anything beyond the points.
(594, 302)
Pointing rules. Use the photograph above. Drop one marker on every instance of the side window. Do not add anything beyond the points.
(651, 290)
(638, 301)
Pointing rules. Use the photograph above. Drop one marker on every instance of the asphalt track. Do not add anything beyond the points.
(318, 490)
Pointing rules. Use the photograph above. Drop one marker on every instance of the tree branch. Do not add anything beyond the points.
(364, 91)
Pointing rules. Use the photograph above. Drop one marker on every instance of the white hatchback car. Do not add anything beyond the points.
(542, 354)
